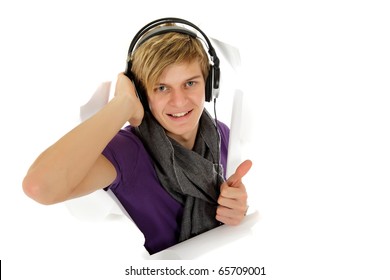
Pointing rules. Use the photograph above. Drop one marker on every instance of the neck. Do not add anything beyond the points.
(189, 144)
(187, 141)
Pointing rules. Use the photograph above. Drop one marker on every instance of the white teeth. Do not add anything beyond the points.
(178, 115)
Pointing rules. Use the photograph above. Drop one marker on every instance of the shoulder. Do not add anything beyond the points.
(224, 131)
(129, 134)
(223, 127)
(124, 151)
(124, 142)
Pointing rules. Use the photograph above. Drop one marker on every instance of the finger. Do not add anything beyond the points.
(235, 192)
(228, 216)
(234, 204)
(241, 171)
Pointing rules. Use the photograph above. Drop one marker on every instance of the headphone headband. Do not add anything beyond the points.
(161, 21)
(162, 30)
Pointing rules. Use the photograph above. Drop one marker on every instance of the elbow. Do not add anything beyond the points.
(34, 188)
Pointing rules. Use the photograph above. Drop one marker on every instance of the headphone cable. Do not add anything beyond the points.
(218, 138)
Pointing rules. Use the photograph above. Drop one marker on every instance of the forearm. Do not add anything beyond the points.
(60, 168)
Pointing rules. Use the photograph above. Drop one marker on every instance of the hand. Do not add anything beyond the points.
(233, 198)
(125, 88)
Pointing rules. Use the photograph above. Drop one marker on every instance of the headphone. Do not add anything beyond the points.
(212, 80)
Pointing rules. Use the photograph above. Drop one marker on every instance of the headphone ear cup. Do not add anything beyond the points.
(139, 90)
(209, 85)
(141, 93)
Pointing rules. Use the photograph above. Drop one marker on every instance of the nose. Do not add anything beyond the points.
(178, 98)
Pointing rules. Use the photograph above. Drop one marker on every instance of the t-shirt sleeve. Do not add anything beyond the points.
(123, 152)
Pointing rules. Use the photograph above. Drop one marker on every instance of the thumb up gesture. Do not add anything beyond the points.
(233, 198)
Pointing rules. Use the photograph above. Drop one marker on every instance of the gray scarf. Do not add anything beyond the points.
(188, 176)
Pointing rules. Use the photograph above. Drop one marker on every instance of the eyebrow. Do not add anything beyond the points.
(194, 77)
(186, 80)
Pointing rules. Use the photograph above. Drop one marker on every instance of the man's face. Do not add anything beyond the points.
(177, 100)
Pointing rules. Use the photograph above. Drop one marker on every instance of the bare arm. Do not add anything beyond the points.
(74, 165)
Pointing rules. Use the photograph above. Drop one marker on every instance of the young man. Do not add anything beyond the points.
(164, 167)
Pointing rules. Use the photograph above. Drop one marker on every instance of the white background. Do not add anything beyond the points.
(317, 77)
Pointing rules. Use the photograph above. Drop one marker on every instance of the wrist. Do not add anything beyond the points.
(130, 109)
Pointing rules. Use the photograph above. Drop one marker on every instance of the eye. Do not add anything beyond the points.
(160, 88)
(190, 83)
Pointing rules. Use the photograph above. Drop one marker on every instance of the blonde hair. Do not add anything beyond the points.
(154, 55)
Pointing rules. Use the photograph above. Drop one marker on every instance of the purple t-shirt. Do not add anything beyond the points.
(156, 213)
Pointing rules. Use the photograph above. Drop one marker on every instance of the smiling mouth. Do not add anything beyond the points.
(179, 115)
